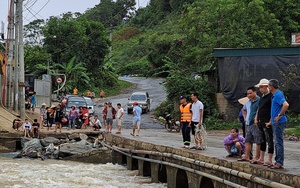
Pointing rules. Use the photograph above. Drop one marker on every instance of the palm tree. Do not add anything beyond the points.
(75, 73)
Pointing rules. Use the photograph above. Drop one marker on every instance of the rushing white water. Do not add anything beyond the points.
(57, 173)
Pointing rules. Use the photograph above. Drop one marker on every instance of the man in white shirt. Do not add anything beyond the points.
(120, 113)
(95, 123)
(197, 119)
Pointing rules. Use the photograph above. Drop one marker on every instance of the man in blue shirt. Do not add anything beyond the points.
(278, 120)
(137, 111)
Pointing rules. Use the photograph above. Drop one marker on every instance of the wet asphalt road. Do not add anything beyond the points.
(157, 95)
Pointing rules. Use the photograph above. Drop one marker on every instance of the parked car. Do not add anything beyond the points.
(90, 105)
(142, 98)
(78, 101)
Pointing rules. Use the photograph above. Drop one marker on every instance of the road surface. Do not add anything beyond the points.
(157, 95)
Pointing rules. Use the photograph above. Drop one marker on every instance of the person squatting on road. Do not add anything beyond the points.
(279, 120)
(35, 128)
(253, 134)
(234, 143)
(17, 123)
(186, 117)
(196, 123)
(136, 112)
(262, 120)
(120, 114)
(27, 128)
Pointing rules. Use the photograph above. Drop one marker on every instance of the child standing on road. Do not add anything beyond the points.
(234, 143)
(119, 117)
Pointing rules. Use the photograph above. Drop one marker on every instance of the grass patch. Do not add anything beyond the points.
(293, 131)
(118, 88)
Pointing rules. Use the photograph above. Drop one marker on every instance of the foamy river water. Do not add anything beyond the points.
(57, 173)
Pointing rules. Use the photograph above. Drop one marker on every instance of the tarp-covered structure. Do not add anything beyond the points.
(241, 68)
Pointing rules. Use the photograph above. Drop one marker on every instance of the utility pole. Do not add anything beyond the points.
(10, 53)
(21, 60)
(110, 39)
(16, 67)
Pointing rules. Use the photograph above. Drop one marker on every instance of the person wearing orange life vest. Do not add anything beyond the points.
(186, 117)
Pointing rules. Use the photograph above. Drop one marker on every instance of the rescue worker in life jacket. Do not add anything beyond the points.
(186, 118)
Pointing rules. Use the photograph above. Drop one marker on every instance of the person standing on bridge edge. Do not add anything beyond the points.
(278, 119)
(253, 134)
(136, 112)
(186, 118)
(262, 120)
(197, 119)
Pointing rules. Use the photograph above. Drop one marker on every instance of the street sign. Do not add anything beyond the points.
(59, 80)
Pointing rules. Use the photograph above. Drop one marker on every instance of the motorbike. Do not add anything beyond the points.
(172, 123)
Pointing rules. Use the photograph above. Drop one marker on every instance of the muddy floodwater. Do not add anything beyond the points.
(57, 173)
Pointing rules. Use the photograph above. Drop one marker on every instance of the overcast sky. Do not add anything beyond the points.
(43, 9)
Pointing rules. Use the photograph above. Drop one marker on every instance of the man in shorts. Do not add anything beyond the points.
(120, 113)
(137, 112)
(253, 134)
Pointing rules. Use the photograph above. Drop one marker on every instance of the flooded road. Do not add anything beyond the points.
(17, 173)
(157, 95)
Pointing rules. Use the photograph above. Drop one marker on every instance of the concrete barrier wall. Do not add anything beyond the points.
(193, 179)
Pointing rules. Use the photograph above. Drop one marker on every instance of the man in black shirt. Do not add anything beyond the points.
(262, 119)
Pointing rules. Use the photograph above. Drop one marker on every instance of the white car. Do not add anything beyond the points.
(143, 100)
(90, 105)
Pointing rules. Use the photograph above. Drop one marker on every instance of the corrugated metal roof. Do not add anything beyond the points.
(234, 52)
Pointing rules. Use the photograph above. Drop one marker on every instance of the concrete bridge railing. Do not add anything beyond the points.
(182, 168)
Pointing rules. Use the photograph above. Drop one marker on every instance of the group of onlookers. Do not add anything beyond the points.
(265, 121)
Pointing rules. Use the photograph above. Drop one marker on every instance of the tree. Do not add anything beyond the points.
(33, 33)
(111, 13)
(76, 74)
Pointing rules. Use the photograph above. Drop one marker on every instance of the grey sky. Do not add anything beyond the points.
(43, 9)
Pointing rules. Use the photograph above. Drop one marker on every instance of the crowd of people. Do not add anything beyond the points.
(78, 118)
(263, 122)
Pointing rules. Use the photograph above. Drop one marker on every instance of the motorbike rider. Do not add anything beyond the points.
(186, 117)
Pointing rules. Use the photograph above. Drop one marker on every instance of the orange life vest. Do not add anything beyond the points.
(186, 115)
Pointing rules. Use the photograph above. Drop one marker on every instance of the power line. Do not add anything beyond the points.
(41, 9)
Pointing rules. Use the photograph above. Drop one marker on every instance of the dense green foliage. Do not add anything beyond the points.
(168, 38)
(177, 38)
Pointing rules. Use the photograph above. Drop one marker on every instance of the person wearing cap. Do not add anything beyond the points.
(186, 118)
(253, 134)
(197, 119)
(85, 117)
(262, 119)
(241, 118)
(278, 120)
(136, 112)
(73, 114)
(43, 114)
